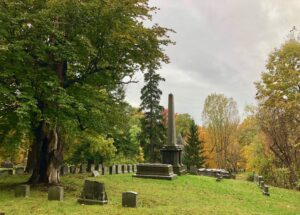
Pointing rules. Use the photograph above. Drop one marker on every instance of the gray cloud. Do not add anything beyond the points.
(222, 47)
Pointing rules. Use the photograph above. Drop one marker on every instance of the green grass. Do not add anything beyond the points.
(185, 195)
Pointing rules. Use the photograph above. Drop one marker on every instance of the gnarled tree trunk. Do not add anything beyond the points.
(48, 155)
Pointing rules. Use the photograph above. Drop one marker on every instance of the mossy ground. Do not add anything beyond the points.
(186, 195)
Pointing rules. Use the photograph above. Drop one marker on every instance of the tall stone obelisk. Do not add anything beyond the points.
(171, 122)
(172, 153)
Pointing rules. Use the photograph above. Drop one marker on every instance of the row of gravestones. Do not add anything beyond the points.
(259, 180)
(99, 169)
(12, 171)
(211, 172)
(93, 193)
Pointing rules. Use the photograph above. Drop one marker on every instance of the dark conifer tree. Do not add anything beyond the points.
(194, 150)
(153, 132)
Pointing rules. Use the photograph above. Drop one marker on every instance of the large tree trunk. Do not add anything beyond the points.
(48, 156)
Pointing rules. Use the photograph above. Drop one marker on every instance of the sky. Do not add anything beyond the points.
(222, 46)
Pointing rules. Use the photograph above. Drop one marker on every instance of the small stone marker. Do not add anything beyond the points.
(124, 168)
(98, 167)
(219, 177)
(22, 191)
(93, 193)
(105, 170)
(134, 168)
(129, 199)
(64, 170)
(129, 168)
(112, 170)
(72, 169)
(83, 168)
(266, 190)
(259, 178)
(119, 169)
(19, 170)
(56, 193)
(262, 183)
(92, 167)
(95, 173)
(193, 170)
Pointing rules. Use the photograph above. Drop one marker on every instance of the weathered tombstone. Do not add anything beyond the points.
(262, 183)
(193, 170)
(112, 170)
(22, 191)
(266, 190)
(129, 168)
(83, 168)
(124, 168)
(105, 170)
(259, 178)
(92, 167)
(129, 199)
(56, 193)
(64, 169)
(93, 193)
(134, 167)
(119, 169)
(98, 167)
(219, 177)
(95, 173)
(72, 169)
(19, 170)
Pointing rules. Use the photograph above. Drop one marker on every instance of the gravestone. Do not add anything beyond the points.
(124, 168)
(22, 191)
(129, 168)
(119, 169)
(98, 167)
(64, 169)
(259, 178)
(105, 170)
(112, 170)
(262, 183)
(155, 171)
(92, 167)
(95, 173)
(219, 177)
(93, 193)
(129, 199)
(19, 171)
(134, 167)
(56, 193)
(83, 168)
(193, 170)
(72, 169)
(266, 190)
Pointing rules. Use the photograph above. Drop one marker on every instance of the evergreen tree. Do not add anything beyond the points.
(194, 149)
(153, 130)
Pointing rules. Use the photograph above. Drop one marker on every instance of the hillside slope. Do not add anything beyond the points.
(185, 195)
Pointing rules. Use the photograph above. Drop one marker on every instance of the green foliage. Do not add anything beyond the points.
(93, 147)
(194, 150)
(153, 130)
(63, 63)
(278, 95)
(183, 123)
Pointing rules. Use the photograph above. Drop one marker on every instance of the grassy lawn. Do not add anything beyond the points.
(185, 195)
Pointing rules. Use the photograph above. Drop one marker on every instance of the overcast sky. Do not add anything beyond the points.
(221, 47)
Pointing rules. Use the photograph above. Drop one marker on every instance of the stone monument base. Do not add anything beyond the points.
(171, 154)
(91, 202)
(155, 171)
